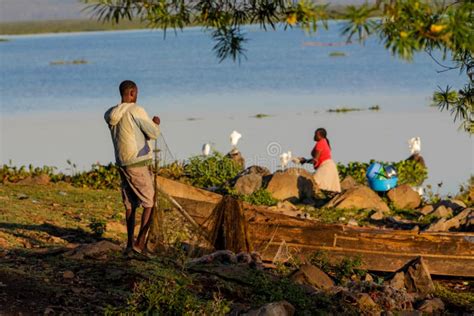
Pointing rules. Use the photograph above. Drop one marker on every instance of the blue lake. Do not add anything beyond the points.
(51, 113)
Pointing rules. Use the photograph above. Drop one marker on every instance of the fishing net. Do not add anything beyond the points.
(228, 227)
(162, 157)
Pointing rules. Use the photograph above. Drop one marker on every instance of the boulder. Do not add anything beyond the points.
(454, 205)
(293, 184)
(366, 303)
(348, 183)
(455, 222)
(248, 184)
(469, 223)
(431, 306)
(414, 277)
(426, 209)
(286, 205)
(404, 197)
(377, 216)
(442, 212)
(262, 171)
(308, 274)
(360, 197)
(281, 308)
(98, 250)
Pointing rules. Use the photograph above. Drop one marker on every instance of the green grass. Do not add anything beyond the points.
(59, 205)
(65, 26)
(343, 110)
(261, 115)
(69, 62)
(374, 108)
(337, 54)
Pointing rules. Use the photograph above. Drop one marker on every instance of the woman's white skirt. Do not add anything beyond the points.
(327, 177)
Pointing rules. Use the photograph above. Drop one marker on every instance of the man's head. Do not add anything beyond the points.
(128, 91)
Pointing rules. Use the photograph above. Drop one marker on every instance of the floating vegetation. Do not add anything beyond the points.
(4, 40)
(69, 62)
(337, 54)
(375, 108)
(262, 115)
(343, 110)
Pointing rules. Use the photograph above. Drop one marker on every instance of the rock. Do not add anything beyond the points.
(237, 157)
(366, 303)
(293, 184)
(430, 306)
(261, 171)
(460, 203)
(220, 257)
(368, 278)
(455, 205)
(310, 275)
(456, 222)
(468, 225)
(348, 183)
(426, 209)
(286, 205)
(442, 212)
(404, 197)
(282, 308)
(352, 222)
(68, 275)
(397, 281)
(377, 216)
(360, 197)
(248, 184)
(414, 277)
(244, 257)
(97, 250)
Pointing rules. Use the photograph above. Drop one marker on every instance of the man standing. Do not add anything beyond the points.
(131, 129)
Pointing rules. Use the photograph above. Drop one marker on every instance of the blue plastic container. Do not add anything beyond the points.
(373, 170)
(378, 179)
(383, 185)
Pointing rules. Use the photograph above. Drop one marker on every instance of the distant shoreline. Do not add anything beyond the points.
(66, 26)
(90, 25)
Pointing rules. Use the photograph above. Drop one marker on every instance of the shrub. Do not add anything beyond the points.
(409, 172)
(98, 226)
(260, 197)
(10, 173)
(342, 270)
(169, 297)
(100, 177)
(212, 171)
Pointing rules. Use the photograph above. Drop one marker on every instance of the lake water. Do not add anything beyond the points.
(51, 113)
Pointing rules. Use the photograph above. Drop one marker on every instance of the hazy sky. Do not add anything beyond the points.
(27, 10)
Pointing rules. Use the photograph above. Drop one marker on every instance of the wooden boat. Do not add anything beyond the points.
(273, 233)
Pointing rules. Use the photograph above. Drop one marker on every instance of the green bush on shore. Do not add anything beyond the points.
(409, 172)
(205, 172)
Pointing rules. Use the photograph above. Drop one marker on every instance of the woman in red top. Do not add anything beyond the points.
(326, 175)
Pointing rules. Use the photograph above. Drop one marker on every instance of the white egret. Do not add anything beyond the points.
(414, 144)
(285, 159)
(206, 149)
(234, 139)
